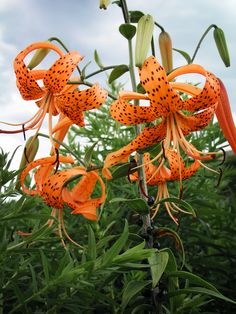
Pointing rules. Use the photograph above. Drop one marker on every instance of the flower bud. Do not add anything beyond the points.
(30, 151)
(143, 39)
(104, 4)
(221, 44)
(165, 45)
(38, 57)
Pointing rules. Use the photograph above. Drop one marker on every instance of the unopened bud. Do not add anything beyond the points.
(104, 4)
(165, 45)
(221, 45)
(38, 57)
(30, 151)
(143, 40)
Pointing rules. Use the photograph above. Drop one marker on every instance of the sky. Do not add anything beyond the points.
(82, 26)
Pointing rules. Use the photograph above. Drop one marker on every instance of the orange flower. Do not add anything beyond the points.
(225, 118)
(55, 96)
(53, 188)
(161, 174)
(176, 117)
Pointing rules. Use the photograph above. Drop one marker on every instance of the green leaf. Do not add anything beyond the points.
(92, 253)
(169, 232)
(84, 69)
(45, 265)
(117, 72)
(184, 54)
(133, 288)
(134, 254)
(193, 278)
(88, 154)
(122, 171)
(140, 89)
(197, 290)
(135, 16)
(127, 30)
(137, 204)
(116, 247)
(97, 59)
(158, 262)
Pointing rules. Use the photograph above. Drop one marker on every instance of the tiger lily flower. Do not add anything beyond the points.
(159, 175)
(168, 108)
(55, 96)
(52, 187)
(225, 118)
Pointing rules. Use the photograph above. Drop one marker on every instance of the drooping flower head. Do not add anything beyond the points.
(52, 188)
(55, 96)
(173, 116)
(159, 175)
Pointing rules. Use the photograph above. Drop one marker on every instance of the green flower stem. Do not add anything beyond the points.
(100, 71)
(138, 128)
(158, 25)
(86, 83)
(66, 147)
(201, 40)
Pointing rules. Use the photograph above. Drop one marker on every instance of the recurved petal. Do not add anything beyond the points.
(52, 187)
(190, 170)
(155, 82)
(84, 188)
(42, 174)
(46, 161)
(129, 114)
(88, 209)
(148, 137)
(57, 76)
(195, 122)
(209, 94)
(71, 104)
(26, 82)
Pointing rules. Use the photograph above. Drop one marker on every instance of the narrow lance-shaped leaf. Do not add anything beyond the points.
(158, 262)
(117, 72)
(116, 247)
(97, 59)
(133, 288)
(184, 54)
(137, 204)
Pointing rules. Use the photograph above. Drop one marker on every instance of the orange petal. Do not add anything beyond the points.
(42, 173)
(195, 122)
(52, 187)
(72, 104)
(127, 95)
(129, 114)
(148, 137)
(209, 94)
(88, 209)
(83, 190)
(225, 118)
(154, 80)
(26, 82)
(57, 76)
(41, 162)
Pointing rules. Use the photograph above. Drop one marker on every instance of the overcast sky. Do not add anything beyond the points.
(83, 27)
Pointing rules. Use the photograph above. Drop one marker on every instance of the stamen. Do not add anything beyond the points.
(23, 130)
(224, 156)
(220, 177)
(57, 162)
(163, 150)
(142, 189)
(132, 165)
